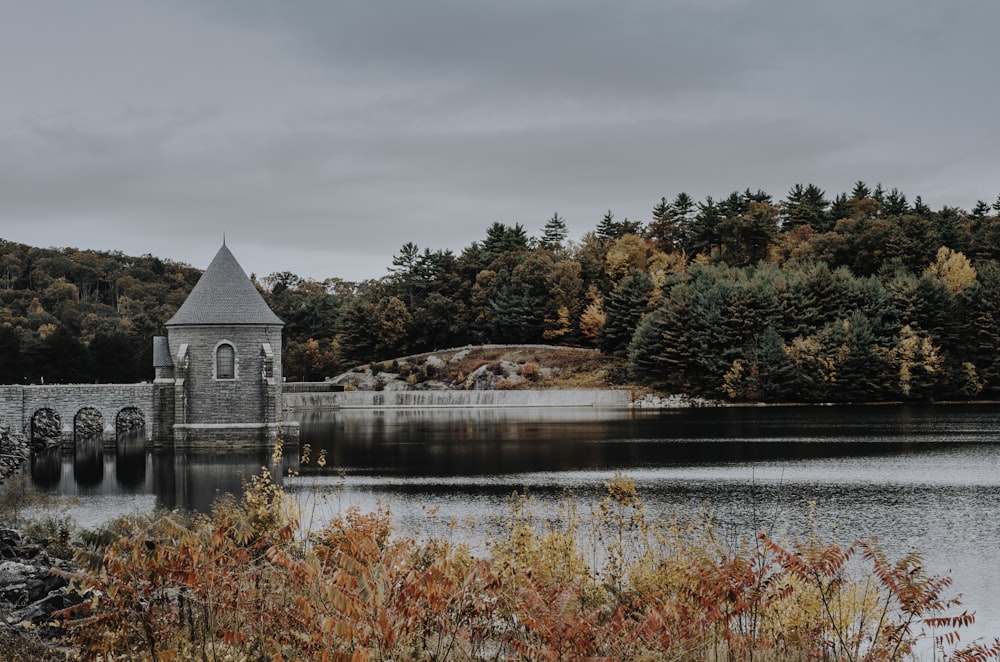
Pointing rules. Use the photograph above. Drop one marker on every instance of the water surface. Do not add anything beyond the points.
(914, 477)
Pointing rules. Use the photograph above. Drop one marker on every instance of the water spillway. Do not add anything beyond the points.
(324, 399)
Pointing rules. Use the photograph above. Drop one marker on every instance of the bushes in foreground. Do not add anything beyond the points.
(244, 583)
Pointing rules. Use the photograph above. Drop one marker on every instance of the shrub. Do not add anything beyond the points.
(244, 583)
(529, 371)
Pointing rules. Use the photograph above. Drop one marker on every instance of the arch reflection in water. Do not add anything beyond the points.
(130, 459)
(46, 468)
(88, 461)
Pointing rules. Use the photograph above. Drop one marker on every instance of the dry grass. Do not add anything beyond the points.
(21, 648)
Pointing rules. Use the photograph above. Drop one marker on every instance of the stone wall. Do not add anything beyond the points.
(419, 399)
(19, 403)
(251, 395)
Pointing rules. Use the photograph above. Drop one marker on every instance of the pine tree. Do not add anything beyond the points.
(920, 209)
(660, 352)
(624, 307)
(804, 206)
(705, 230)
(608, 228)
(839, 209)
(682, 207)
(860, 191)
(515, 317)
(894, 203)
(858, 375)
(11, 360)
(981, 210)
(554, 233)
(646, 347)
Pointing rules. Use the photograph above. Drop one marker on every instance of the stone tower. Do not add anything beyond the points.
(218, 370)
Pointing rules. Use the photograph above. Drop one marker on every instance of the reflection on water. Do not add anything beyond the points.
(88, 461)
(915, 477)
(114, 479)
(130, 460)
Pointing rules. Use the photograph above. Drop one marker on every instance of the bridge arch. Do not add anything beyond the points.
(130, 418)
(45, 426)
(88, 423)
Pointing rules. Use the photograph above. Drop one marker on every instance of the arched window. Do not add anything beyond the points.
(225, 362)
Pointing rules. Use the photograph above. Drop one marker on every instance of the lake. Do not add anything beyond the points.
(924, 477)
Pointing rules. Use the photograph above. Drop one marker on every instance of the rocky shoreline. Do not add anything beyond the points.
(14, 451)
(33, 586)
(33, 582)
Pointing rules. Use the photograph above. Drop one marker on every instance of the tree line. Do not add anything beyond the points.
(863, 296)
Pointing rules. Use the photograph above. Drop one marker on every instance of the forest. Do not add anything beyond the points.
(862, 296)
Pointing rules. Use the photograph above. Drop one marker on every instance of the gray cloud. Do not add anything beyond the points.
(321, 136)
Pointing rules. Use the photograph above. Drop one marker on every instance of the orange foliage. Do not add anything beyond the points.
(246, 583)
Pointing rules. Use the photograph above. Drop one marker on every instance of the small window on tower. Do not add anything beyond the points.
(225, 362)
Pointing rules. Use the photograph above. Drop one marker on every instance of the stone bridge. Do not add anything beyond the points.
(20, 404)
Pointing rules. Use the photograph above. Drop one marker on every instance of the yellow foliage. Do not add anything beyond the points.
(629, 252)
(953, 269)
(916, 354)
(593, 319)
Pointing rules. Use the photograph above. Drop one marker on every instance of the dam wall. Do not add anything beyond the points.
(300, 399)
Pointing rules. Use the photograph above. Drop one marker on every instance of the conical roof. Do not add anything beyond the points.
(224, 295)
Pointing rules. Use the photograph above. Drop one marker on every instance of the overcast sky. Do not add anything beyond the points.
(320, 136)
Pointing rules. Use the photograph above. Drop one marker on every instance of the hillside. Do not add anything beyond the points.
(492, 367)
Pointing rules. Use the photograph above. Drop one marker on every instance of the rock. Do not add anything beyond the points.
(14, 450)
(460, 355)
(31, 592)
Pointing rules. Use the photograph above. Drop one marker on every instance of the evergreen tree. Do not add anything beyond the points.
(682, 207)
(356, 338)
(894, 203)
(115, 357)
(839, 209)
(624, 307)
(502, 239)
(981, 210)
(609, 228)
(860, 372)
(660, 350)
(804, 206)
(662, 229)
(705, 230)
(671, 225)
(920, 209)
(746, 237)
(860, 191)
(11, 361)
(645, 348)
(629, 227)
(983, 306)
(65, 360)
(707, 346)
(775, 369)
(554, 233)
(514, 315)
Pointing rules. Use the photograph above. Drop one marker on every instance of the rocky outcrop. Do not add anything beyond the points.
(32, 585)
(655, 401)
(14, 450)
